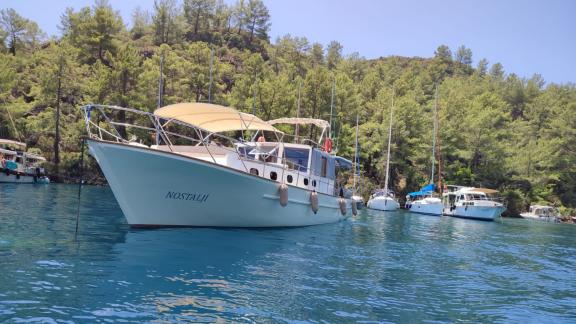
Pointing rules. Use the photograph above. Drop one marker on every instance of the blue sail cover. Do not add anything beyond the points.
(428, 189)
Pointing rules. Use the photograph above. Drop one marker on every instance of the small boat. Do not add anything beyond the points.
(542, 213)
(385, 199)
(424, 202)
(474, 203)
(19, 166)
(212, 165)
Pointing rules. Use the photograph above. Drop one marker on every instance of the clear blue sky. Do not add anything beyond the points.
(527, 36)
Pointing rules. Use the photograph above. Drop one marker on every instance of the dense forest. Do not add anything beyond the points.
(496, 129)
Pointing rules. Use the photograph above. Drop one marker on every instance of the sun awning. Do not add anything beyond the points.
(213, 118)
(11, 143)
(300, 121)
(484, 190)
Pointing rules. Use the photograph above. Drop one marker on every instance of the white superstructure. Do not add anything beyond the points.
(213, 179)
(424, 203)
(469, 202)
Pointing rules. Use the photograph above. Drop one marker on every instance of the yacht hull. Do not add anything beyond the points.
(427, 208)
(383, 203)
(12, 178)
(488, 213)
(157, 189)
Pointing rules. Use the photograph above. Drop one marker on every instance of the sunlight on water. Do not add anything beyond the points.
(384, 267)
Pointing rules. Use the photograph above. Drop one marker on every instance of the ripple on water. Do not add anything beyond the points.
(377, 267)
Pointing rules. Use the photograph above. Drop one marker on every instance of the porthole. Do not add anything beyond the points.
(253, 171)
(273, 175)
(289, 178)
(313, 183)
(305, 181)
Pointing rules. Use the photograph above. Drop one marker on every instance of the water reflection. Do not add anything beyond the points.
(377, 266)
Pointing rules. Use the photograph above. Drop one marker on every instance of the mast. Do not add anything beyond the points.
(160, 92)
(298, 111)
(332, 106)
(210, 85)
(434, 134)
(356, 155)
(389, 142)
(439, 152)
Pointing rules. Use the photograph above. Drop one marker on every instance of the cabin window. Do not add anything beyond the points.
(253, 171)
(324, 169)
(305, 181)
(296, 158)
(313, 183)
(273, 175)
(289, 178)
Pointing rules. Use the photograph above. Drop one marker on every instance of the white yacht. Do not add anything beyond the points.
(424, 202)
(19, 166)
(469, 202)
(385, 199)
(542, 213)
(215, 166)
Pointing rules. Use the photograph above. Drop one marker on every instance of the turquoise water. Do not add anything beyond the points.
(397, 267)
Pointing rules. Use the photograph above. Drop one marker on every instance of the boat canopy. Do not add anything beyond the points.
(484, 190)
(11, 143)
(301, 121)
(213, 118)
(428, 189)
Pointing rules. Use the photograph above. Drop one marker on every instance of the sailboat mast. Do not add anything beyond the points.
(356, 155)
(434, 135)
(211, 78)
(439, 146)
(389, 142)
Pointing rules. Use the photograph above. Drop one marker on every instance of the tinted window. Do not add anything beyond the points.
(298, 157)
(289, 179)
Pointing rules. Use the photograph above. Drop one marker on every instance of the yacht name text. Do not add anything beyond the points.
(199, 197)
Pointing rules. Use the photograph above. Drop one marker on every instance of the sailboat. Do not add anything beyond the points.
(424, 201)
(356, 198)
(384, 199)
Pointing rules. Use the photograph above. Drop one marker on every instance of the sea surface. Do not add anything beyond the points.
(377, 267)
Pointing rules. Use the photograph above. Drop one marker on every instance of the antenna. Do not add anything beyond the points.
(211, 66)
(254, 96)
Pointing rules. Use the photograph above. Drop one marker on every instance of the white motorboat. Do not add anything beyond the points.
(19, 166)
(474, 203)
(197, 175)
(542, 213)
(424, 202)
(385, 199)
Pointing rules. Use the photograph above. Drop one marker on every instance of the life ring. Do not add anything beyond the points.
(328, 145)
